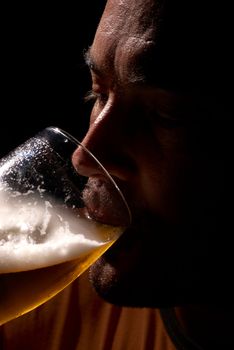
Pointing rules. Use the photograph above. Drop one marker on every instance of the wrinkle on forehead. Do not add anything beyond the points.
(132, 52)
(129, 16)
(127, 31)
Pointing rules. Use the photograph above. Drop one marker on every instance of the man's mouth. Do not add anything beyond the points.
(104, 202)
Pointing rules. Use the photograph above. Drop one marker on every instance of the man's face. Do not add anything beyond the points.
(146, 137)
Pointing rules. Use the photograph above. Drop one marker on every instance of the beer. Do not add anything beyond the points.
(21, 292)
(42, 250)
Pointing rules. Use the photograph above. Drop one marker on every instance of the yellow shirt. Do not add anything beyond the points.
(77, 319)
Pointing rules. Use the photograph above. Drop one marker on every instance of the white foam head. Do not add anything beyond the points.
(35, 234)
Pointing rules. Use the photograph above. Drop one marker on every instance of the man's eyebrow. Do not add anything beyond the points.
(89, 60)
(133, 75)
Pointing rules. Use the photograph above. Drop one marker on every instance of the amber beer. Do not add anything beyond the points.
(21, 292)
(42, 250)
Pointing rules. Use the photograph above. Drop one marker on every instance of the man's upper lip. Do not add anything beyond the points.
(104, 202)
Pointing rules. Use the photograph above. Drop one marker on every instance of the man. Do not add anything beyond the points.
(160, 124)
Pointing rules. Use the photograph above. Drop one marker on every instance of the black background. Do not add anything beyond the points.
(43, 75)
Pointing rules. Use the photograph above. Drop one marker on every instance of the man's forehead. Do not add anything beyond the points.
(186, 44)
(128, 18)
(125, 37)
(146, 35)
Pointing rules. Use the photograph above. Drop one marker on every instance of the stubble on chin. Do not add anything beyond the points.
(103, 277)
(109, 284)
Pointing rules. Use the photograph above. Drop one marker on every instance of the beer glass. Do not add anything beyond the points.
(54, 222)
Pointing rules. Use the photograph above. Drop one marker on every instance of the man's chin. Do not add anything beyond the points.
(104, 279)
(130, 273)
(109, 286)
(126, 292)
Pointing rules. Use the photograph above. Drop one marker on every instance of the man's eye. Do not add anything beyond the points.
(96, 97)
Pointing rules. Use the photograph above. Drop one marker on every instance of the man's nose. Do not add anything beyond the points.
(108, 141)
